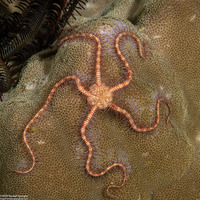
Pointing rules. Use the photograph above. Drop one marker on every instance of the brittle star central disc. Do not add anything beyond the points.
(100, 96)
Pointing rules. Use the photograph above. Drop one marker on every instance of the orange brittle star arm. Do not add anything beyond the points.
(94, 91)
(78, 83)
(90, 152)
(98, 52)
(131, 121)
(80, 88)
(129, 78)
(127, 81)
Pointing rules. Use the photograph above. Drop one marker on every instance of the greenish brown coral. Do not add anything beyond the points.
(160, 164)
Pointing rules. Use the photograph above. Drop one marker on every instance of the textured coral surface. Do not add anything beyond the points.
(162, 164)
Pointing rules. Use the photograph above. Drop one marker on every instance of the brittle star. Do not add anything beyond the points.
(99, 96)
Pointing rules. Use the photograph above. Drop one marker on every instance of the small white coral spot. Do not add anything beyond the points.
(161, 88)
(157, 36)
(193, 17)
(41, 142)
(30, 86)
(145, 154)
